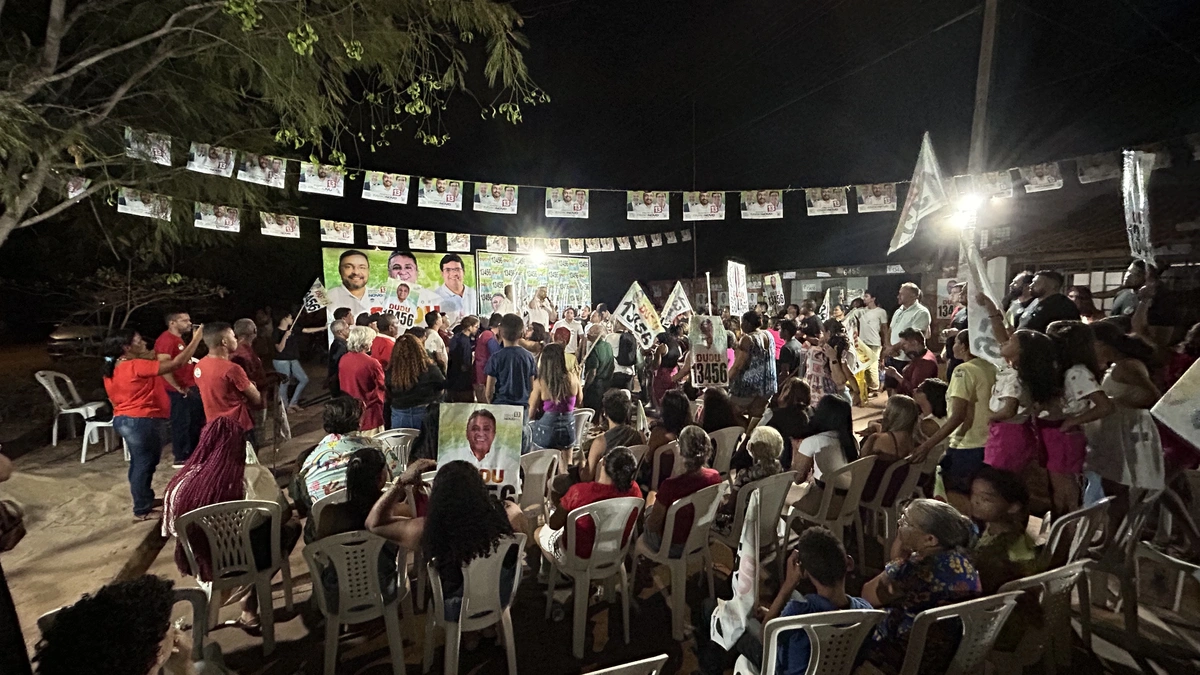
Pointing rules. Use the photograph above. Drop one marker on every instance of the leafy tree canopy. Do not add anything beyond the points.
(264, 76)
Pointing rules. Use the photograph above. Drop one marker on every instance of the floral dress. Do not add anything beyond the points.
(758, 377)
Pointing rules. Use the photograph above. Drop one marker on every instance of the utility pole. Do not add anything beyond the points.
(977, 160)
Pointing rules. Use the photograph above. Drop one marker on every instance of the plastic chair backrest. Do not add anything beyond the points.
(642, 422)
(694, 412)
(1086, 523)
(705, 503)
(650, 666)
(773, 493)
(981, 619)
(903, 492)
(355, 558)
(582, 417)
(859, 471)
(639, 452)
(656, 476)
(49, 380)
(611, 546)
(753, 424)
(400, 441)
(1120, 551)
(227, 527)
(1054, 588)
(537, 467)
(836, 638)
(336, 497)
(482, 604)
(725, 441)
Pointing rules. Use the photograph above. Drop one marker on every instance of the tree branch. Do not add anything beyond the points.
(162, 54)
(55, 28)
(63, 206)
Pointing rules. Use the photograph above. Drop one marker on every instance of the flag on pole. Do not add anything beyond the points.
(677, 303)
(637, 314)
(1134, 187)
(730, 618)
(926, 196)
(315, 299)
(983, 341)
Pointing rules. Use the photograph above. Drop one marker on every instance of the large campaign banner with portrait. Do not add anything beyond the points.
(710, 351)
(487, 437)
(508, 281)
(401, 283)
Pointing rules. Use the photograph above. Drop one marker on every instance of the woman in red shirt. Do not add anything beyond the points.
(617, 470)
(132, 378)
(361, 376)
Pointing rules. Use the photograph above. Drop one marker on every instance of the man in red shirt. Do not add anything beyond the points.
(187, 411)
(922, 364)
(224, 386)
(486, 344)
(385, 340)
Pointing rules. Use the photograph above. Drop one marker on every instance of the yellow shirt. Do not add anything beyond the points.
(973, 382)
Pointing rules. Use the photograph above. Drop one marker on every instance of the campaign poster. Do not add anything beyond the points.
(77, 185)
(623, 243)
(489, 438)
(143, 203)
(983, 340)
(216, 217)
(508, 282)
(773, 291)
(826, 201)
(210, 159)
(636, 312)
(995, 184)
(710, 351)
(155, 148)
(762, 204)
(739, 295)
(671, 237)
(422, 240)
(496, 198)
(566, 203)
(677, 305)
(385, 187)
(321, 179)
(1098, 167)
(337, 232)
(656, 240)
(458, 243)
(379, 235)
(876, 197)
(945, 300)
(1135, 191)
(685, 235)
(263, 170)
(1177, 408)
(383, 281)
(497, 244)
(704, 206)
(1041, 177)
(279, 225)
(575, 246)
(647, 205)
(607, 245)
(639, 241)
(593, 244)
(440, 193)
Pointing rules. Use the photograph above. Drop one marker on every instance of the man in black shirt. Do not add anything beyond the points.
(337, 349)
(1050, 304)
(791, 352)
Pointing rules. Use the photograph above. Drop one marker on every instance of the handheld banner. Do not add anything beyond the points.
(710, 351)
(739, 295)
(677, 303)
(1134, 187)
(487, 437)
(637, 313)
(315, 299)
(926, 196)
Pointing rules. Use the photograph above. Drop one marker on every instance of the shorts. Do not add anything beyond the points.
(959, 467)
(1065, 452)
(554, 430)
(1010, 446)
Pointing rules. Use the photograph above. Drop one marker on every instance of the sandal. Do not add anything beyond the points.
(251, 628)
(155, 512)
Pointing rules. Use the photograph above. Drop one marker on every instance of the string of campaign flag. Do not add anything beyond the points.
(650, 205)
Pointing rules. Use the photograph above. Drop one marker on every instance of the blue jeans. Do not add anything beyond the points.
(293, 369)
(187, 419)
(408, 418)
(143, 440)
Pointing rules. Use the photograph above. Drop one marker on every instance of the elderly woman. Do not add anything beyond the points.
(765, 448)
(930, 567)
(694, 449)
(361, 377)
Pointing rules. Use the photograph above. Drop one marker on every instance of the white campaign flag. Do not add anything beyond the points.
(677, 303)
(730, 617)
(637, 313)
(926, 196)
(739, 295)
(1134, 187)
(1177, 408)
(983, 340)
(315, 300)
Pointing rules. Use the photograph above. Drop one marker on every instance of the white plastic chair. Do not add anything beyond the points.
(606, 559)
(399, 441)
(582, 417)
(194, 596)
(355, 558)
(482, 605)
(65, 404)
(1051, 643)
(1084, 524)
(693, 412)
(885, 516)
(227, 527)
(94, 428)
(981, 619)
(725, 441)
(336, 497)
(835, 639)
(705, 503)
(848, 514)
(639, 452)
(650, 666)
(537, 467)
(656, 476)
(774, 491)
(1119, 558)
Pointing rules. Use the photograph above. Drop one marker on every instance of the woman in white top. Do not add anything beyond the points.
(831, 447)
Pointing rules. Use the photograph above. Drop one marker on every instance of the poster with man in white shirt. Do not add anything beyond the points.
(876, 197)
(644, 206)
(703, 206)
(826, 201)
(910, 314)
(757, 205)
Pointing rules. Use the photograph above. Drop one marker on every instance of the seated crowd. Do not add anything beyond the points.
(1068, 407)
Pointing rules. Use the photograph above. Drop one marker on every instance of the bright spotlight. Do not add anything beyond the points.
(538, 256)
(970, 203)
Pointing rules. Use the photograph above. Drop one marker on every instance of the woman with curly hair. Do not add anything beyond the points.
(1030, 379)
(414, 382)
